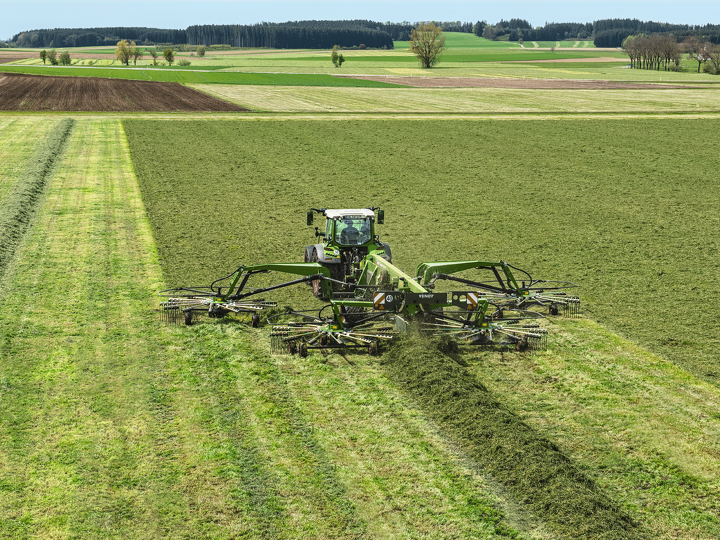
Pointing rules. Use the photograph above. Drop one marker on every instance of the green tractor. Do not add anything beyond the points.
(370, 300)
(349, 237)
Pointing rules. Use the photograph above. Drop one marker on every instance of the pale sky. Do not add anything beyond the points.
(21, 15)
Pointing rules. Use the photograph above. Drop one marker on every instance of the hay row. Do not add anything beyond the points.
(533, 468)
(19, 207)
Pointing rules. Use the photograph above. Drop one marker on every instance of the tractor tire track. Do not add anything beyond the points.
(20, 206)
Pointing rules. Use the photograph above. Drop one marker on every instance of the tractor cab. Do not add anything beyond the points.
(349, 228)
(349, 236)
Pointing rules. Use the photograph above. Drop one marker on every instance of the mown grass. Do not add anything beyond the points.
(19, 206)
(534, 468)
(198, 77)
(643, 429)
(582, 203)
(113, 426)
(18, 140)
(465, 100)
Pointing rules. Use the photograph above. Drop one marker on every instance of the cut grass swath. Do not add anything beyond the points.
(534, 468)
(18, 208)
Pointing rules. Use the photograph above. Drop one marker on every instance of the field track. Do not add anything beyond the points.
(525, 84)
(20, 92)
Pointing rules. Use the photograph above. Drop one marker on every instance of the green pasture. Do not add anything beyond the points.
(198, 77)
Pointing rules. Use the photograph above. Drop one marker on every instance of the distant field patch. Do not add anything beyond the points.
(465, 100)
(32, 93)
(197, 77)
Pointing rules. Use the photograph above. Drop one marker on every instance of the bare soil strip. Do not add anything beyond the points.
(528, 84)
(21, 92)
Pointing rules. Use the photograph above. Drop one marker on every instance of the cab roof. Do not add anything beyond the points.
(339, 214)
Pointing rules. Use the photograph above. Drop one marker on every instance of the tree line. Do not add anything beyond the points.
(312, 34)
(287, 36)
(656, 51)
(90, 37)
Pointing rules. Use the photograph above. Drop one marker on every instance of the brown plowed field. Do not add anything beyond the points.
(526, 84)
(14, 56)
(21, 92)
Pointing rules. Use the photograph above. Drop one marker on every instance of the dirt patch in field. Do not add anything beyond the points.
(21, 92)
(15, 56)
(528, 84)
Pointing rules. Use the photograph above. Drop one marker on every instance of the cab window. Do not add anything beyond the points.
(352, 231)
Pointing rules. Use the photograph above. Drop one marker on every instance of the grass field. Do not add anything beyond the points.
(556, 221)
(17, 143)
(197, 77)
(115, 426)
(464, 100)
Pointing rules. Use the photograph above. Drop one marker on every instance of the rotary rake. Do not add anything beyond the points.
(370, 301)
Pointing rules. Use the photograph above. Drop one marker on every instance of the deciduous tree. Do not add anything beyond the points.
(122, 52)
(135, 52)
(201, 51)
(334, 55)
(169, 56)
(154, 55)
(43, 55)
(427, 41)
(52, 57)
(65, 59)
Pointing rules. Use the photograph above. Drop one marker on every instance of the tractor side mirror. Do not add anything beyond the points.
(310, 218)
(381, 217)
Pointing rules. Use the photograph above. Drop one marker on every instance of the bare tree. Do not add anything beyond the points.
(714, 57)
(427, 41)
(694, 49)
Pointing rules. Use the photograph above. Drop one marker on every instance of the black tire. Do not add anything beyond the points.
(303, 350)
(188, 315)
(521, 345)
(292, 347)
(554, 309)
(255, 320)
(373, 348)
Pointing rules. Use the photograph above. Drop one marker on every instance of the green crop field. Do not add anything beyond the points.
(114, 425)
(197, 77)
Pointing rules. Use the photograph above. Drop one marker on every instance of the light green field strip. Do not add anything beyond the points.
(84, 450)
(18, 139)
(463, 100)
(112, 426)
(647, 431)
